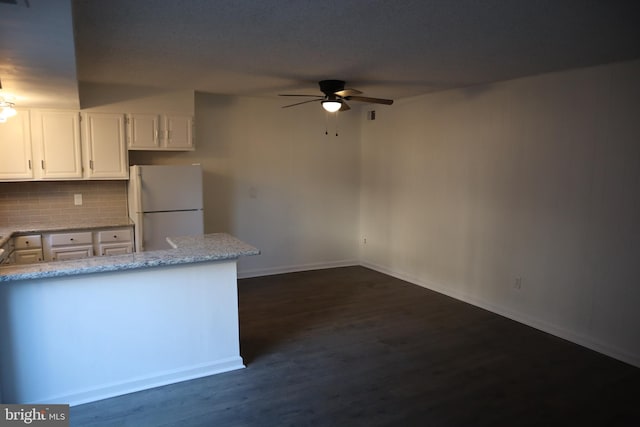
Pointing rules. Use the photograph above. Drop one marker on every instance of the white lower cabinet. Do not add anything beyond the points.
(67, 246)
(27, 249)
(85, 244)
(113, 242)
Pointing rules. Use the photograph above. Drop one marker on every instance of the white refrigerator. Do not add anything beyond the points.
(165, 201)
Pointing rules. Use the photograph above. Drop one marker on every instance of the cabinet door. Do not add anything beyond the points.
(115, 249)
(28, 256)
(178, 133)
(143, 131)
(105, 147)
(15, 148)
(71, 252)
(56, 136)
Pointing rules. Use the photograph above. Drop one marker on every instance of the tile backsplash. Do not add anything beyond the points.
(49, 201)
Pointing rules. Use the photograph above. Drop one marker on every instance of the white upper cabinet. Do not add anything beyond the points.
(16, 162)
(179, 132)
(160, 132)
(50, 145)
(56, 141)
(143, 131)
(104, 146)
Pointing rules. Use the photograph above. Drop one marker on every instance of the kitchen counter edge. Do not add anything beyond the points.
(187, 250)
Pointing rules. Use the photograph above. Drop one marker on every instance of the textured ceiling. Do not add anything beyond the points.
(37, 55)
(387, 48)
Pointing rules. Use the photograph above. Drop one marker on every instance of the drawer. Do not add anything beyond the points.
(116, 235)
(28, 242)
(66, 239)
(28, 256)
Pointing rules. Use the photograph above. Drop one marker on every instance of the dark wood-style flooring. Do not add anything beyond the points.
(353, 347)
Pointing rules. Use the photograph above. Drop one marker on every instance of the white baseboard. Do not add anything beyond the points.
(137, 384)
(245, 274)
(539, 324)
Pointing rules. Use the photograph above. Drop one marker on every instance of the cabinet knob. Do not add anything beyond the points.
(71, 239)
(115, 236)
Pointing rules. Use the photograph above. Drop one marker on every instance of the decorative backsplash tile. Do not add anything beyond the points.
(49, 201)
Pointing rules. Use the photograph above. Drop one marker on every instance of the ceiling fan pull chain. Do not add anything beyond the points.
(326, 123)
(337, 114)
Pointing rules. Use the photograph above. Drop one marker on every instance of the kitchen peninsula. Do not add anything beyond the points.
(83, 330)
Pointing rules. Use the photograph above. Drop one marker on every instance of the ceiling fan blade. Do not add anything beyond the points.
(347, 92)
(344, 107)
(303, 102)
(289, 94)
(371, 100)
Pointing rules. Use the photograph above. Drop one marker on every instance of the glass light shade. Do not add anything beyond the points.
(331, 106)
(7, 112)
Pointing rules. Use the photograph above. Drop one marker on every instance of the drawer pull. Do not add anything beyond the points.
(115, 236)
(71, 239)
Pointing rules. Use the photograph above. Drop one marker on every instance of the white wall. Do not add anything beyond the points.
(78, 339)
(110, 98)
(461, 191)
(464, 191)
(275, 180)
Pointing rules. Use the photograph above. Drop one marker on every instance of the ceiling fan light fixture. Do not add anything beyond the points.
(6, 109)
(7, 112)
(332, 105)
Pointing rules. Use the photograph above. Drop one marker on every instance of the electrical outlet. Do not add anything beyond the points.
(364, 241)
(77, 199)
(517, 283)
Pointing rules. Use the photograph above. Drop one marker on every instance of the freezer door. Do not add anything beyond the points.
(158, 226)
(170, 188)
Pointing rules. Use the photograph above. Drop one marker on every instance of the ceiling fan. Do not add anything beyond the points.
(335, 97)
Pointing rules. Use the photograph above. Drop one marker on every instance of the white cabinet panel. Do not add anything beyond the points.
(65, 246)
(179, 132)
(107, 249)
(105, 151)
(28, 242)
(56, 137)
(15, 148)
(160, 132)
(27, 249)
(143, 131)
(28, 256)
(116, 241)
(79, 238)
(76, 252)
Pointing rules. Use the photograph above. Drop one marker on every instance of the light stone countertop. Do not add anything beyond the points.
(187, 250)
